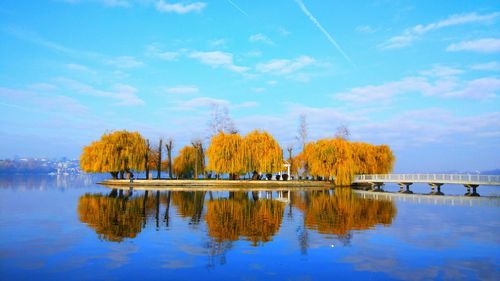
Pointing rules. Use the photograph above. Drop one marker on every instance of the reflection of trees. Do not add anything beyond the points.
(189, 204)
(115, 218)
(258, 221)
(344, 211)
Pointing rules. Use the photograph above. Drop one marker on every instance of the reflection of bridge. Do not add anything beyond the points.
(434, 200)
(434, 180)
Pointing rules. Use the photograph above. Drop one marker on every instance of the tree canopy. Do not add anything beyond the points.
(184, 163)
(116, 152)
(262, 153)
(225, 154)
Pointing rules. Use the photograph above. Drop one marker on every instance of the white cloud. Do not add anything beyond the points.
(180, 8)
(108, 3)
(258, 89)
(38, 100)
(125, 62)
(283, 31)
(485, 45)
(207, 102)
(489, 66)
(439, 81)
(365, 29)
(218, 59)
(482, 88)
(78, 67)
(414, 33)
(125, 95)
(183, 89)
(440, 71)
(154, 50)
(285, 66)
(259, 37)
(218, 42)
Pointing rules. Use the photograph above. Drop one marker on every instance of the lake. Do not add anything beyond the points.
(59, 228)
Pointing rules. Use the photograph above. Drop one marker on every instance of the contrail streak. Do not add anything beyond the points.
(320, 27)
(237, 7)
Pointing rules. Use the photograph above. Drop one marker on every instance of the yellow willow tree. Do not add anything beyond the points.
(184, 163)
(225, 154)
(331, 158)
(384, 159)
(116, 152)
(364, 157)
(262, 153)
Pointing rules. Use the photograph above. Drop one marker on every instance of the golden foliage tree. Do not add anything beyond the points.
(342, 159)
(225, 154)
(116, 152)
(330, 158)
(184, 163)
(262, 153)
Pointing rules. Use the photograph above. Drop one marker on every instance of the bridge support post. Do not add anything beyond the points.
(407, 185)
(474, 192)
(377, 186)
(435, 186)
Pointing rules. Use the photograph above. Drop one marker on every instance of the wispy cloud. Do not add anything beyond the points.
(180, 8)
(439, 81)
(320, 27)
(412, 34)
(36, 39)
(365, 29)
(207, 102)
(259, 37)
(218, 42)
(488, 66)
(123, 94)
(108, 3)
(285, 66)
(154, 50)
(218, 59)
(41, 99)
(183, 89)
(125, 62)
(485, 45)
(79, 68)
(237, 7)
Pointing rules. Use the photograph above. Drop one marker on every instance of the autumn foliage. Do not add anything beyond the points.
(335, 159)
(115, 152)
(184, 163)
(257, 151)
(340, 159)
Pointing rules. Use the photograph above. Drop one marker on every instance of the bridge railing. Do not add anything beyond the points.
(459, 178)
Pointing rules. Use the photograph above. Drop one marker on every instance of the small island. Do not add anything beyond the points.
(255, 159)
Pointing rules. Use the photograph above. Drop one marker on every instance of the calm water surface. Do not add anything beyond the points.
(70, 228)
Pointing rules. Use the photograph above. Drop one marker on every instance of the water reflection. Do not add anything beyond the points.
(239, 216)
(341, 211)
(231, 216)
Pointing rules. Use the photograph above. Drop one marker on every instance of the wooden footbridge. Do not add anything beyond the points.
(435, 181)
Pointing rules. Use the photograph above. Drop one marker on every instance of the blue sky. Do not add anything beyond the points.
(421, 76)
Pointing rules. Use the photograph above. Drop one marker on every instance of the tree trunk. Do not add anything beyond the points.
(169, 146)
(147, 159)
(158, 165)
